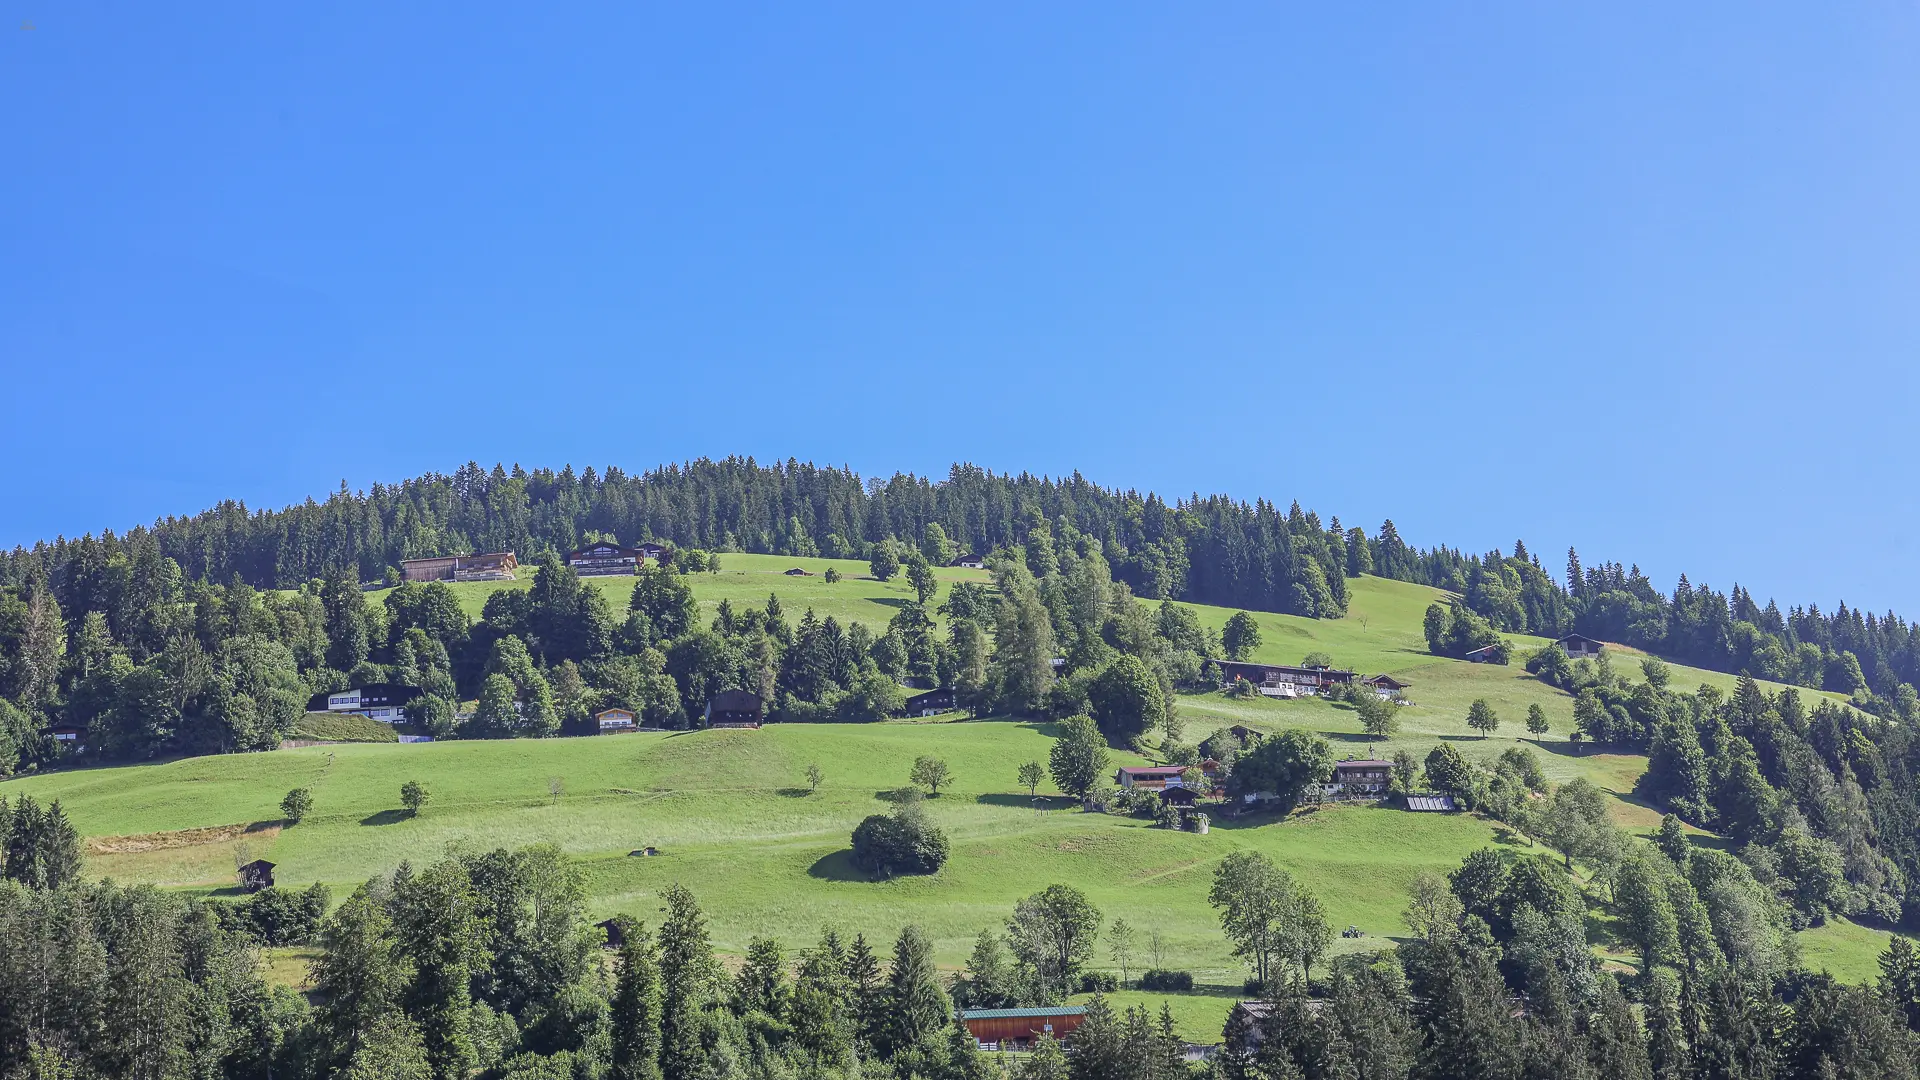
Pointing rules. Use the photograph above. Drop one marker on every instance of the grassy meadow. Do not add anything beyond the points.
(735, 821)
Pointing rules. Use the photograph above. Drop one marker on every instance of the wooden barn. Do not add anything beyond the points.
(491, 566)
(931, 703)
(1577, 646)
(970, 561)
(1019, 1029)
(256, 875)
(736, 709)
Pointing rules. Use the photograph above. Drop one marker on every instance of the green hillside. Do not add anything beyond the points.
(731, 815)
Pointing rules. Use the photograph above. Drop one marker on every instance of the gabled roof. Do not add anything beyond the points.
(991, 1014)
(602, 549)
(1363, 763)
(1153, 770)
(1386, 680)
(735, 701)
(1578, 637)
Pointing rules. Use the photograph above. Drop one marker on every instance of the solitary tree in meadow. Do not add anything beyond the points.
(556, 786)
(884, 563)
(1378, 717)
(1078, 759)
(1120, 947)
(1536, 720)
(920, 576)
(832, 575)
(1482, 718)
(814, 776)
(413, 796)
(296, 804)
(931, 772)
(1030, 776)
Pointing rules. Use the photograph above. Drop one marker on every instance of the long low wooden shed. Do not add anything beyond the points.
(1019, 1029)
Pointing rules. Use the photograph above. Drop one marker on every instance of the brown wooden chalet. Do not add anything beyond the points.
(1284, 680)
(1019, 1029)
(605, 560)
(256, 875)
(1577, 646)
(1362, 776)
(735, 709)
(1485, 654)
(491, 566)
(798, 572)
(650, 550)
(613, 720)
(1386, 685)
(931, 703)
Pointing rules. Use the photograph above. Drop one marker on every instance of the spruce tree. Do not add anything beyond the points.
(636, 1006)
(361, 972)
(1098, 1050)
(689, 976)
(867, 990)
(761, 984)
(916, 1007)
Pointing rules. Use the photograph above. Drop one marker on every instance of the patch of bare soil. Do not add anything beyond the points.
(181, 838)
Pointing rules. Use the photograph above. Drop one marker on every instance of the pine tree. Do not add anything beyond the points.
(761, 984)
(636, 1006)
(688, 979)
(1098, 1050)
(916, 1007)
(1047, 1062)
(361, 972)
(437, 921)
(1900, 979)
(867, 990)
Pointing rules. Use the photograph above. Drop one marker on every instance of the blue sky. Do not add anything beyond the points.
(1639, 278)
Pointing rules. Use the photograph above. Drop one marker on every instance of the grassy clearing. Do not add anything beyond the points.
(1846, 950)
(747, 581)
(343, 727)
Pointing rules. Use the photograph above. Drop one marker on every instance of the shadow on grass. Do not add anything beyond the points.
(1504, 835)
(386, 817)
(837, 866)
(889, 601)
(1023, 802)
(794, 792)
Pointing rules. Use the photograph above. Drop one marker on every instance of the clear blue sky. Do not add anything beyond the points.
(1640, 278)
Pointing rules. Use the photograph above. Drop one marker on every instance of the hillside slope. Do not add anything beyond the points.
(732, 816)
